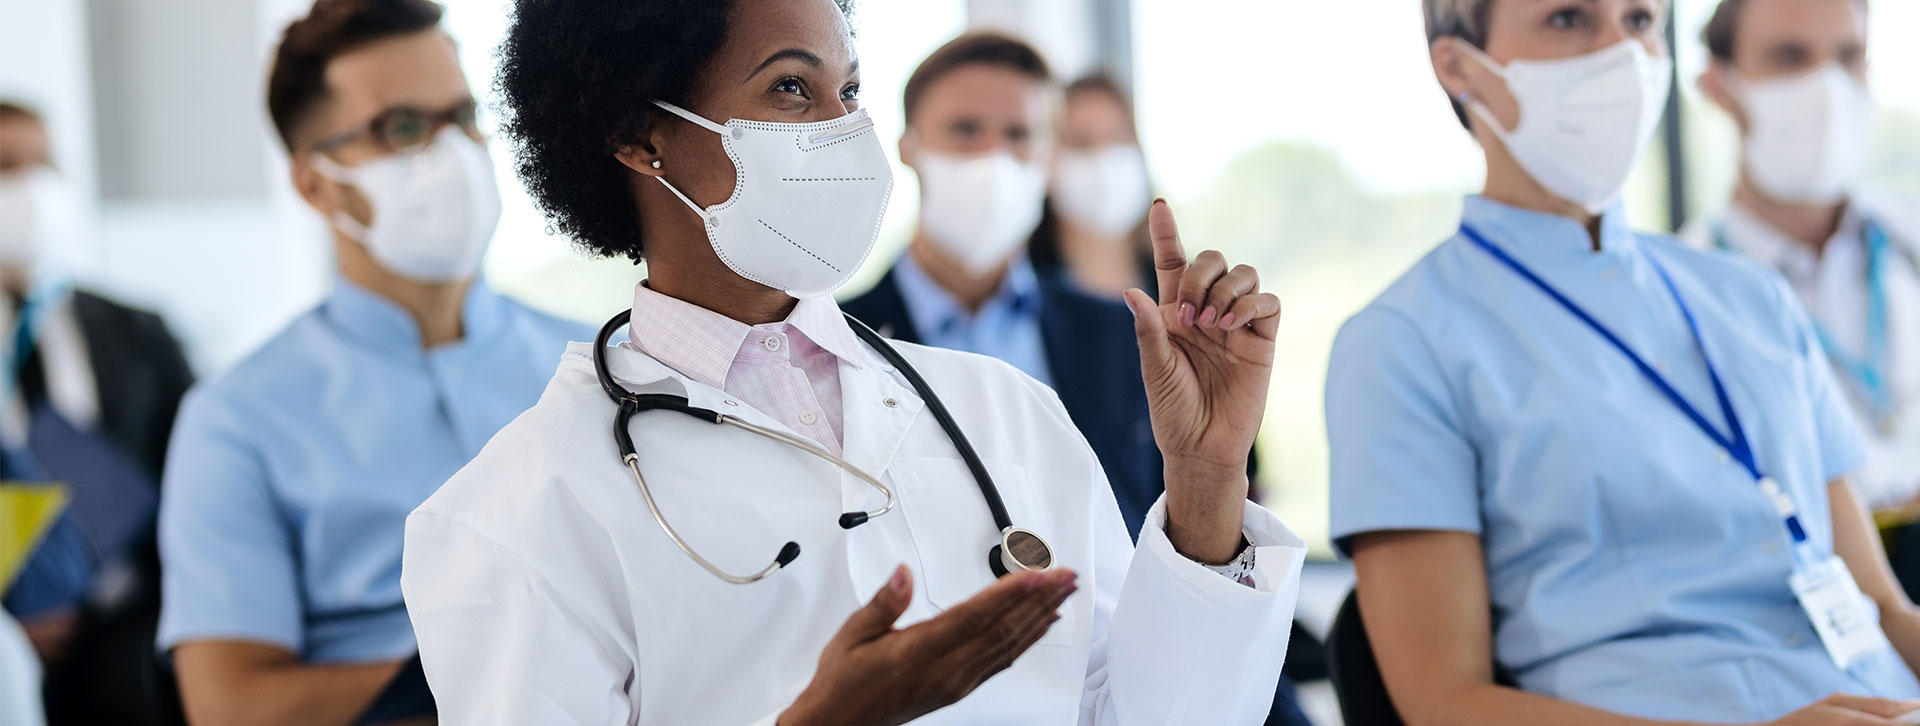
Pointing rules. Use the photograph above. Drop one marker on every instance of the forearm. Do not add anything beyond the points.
(1902, 626)
(1491, 705)
(295, 694)
(1205, 507)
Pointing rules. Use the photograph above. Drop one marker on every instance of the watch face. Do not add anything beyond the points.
(1027, 549)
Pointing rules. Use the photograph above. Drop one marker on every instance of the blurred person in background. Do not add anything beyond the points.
(88, 399)
(980, 135)
(292, 474)
(1093, 231)
(1793, 74)
(1602, 464)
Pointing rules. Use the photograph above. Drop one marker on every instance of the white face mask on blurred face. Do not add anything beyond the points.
(979, 209)
(1103, 189)
(1584, 121)
(38, 209)
(1808, 135)
(434, 210)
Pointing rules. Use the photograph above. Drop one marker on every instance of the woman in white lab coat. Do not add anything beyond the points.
(543, 582)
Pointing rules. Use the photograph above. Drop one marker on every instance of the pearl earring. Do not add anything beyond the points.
(656, 163)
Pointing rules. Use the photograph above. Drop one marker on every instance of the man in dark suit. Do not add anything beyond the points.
(978, 134)
(89, 395)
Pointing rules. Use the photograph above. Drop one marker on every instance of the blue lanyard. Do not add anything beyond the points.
(1735, 442)
(1868, 369)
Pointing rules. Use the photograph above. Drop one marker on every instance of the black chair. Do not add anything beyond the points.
(1356, 675)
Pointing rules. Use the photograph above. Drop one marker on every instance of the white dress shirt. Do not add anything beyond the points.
(1832, 286)
(542, 591)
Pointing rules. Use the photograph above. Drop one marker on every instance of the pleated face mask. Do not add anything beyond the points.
(807, 200)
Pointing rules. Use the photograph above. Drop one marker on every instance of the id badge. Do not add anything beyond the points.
(1839, 611)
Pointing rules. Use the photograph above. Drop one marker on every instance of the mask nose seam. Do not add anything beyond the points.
(799, 246)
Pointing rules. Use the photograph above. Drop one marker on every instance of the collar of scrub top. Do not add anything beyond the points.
(1544, 239)
(1868, 368)
(384, 325)
(1734, 441)
(935, 312)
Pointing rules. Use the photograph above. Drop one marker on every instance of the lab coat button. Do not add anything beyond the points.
(732, 402)
(890, 403)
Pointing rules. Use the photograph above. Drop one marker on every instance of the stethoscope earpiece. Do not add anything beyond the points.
(853, 519)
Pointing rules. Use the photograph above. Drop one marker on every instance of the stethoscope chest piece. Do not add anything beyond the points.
(1019, 550)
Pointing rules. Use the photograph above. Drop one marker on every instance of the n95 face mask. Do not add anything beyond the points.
(807, 200)
(1104, 189)
(41, 223)
(434, 210)
(979, 209)
(1584, 121)
(1807, 136)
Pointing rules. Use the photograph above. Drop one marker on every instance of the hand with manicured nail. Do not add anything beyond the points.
(1206, 355)
(873, 674)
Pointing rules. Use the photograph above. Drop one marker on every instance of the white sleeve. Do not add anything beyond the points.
(1183, 644)
(500, 645)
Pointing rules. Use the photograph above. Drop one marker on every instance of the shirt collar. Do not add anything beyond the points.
(1746, 233)
(702, 344)
(1550, 235)
(383, 323)
(935, 311)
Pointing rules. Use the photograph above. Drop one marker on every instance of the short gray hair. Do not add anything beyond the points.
(1465, 19)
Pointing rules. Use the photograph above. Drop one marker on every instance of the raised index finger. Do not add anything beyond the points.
(1169, 258)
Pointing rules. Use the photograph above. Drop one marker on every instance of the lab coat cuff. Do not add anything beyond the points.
(1278, 552)
(1190, 646)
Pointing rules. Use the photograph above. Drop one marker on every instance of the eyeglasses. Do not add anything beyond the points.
(406, 129)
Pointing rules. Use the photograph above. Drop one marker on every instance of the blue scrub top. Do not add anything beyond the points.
(290, 478)
(1632, 564)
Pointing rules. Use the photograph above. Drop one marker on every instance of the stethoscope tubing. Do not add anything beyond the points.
(630, 403)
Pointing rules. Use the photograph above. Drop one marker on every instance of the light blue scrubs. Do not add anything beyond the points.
(1007, 325)
(1633, 565)
(290, 478)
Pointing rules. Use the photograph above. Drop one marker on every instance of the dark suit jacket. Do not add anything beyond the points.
(1095, 361)
(140, 374)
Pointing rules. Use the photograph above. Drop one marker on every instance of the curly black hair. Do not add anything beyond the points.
(578, 79)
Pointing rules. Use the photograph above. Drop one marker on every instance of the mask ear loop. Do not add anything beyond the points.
(702, 122)
(334, 172)
(1473, 105)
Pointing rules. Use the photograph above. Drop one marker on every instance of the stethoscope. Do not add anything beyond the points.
(1019, 549)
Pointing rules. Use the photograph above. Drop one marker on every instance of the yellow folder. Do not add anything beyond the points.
(27, 511)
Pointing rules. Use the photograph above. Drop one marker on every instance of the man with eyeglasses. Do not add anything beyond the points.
(290, 477)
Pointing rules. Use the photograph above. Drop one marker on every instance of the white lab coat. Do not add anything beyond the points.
(542, 592)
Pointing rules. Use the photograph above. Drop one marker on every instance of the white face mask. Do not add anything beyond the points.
(1104, 189)
(807, 200)
(38, 214)
(979, 209)
(1584, 121)
(1807, 136)
(434, 210)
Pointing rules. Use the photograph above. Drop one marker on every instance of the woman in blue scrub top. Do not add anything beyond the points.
(1608, 465)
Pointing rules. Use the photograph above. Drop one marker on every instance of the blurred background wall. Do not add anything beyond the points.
(1305, 137)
